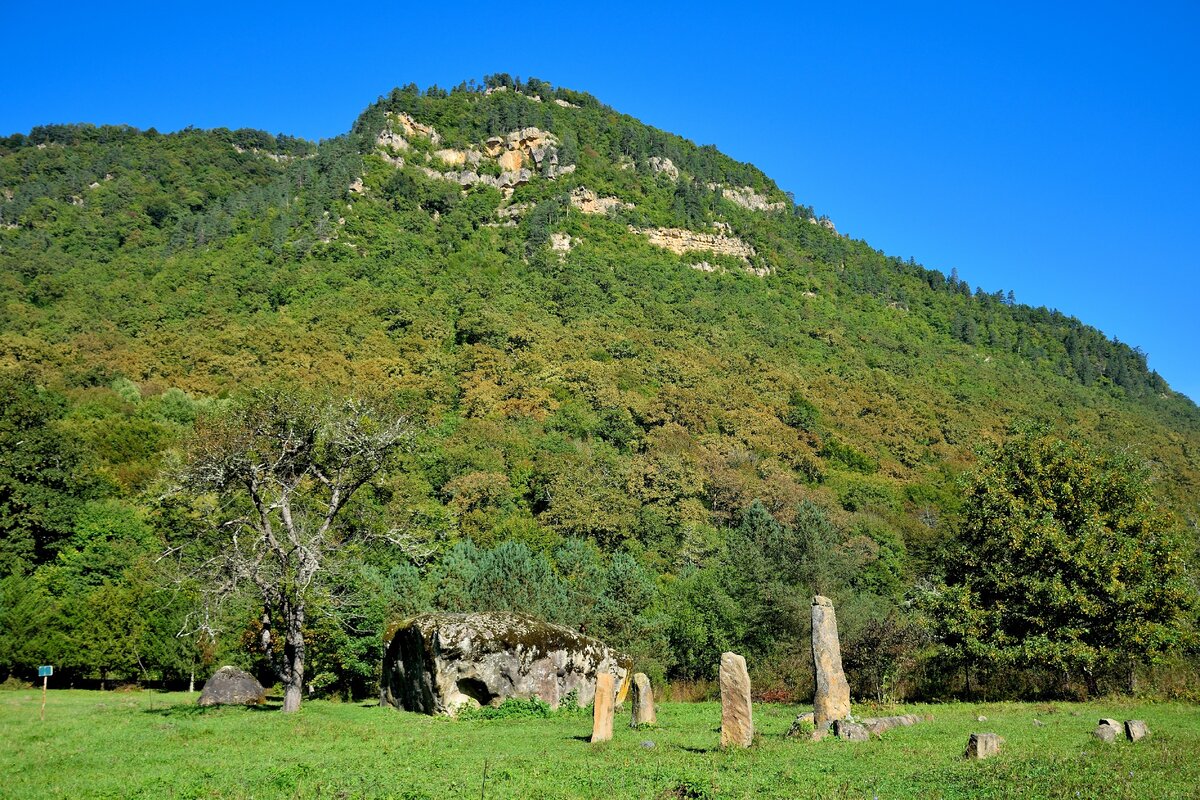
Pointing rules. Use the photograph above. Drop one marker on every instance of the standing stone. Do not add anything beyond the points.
(602, 710)
(737, 727)
(1136, 729)
(1105, 733)
(983, 745)
(643, 702)
(832, 698)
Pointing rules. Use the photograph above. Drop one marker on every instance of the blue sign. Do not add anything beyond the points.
(45, 672)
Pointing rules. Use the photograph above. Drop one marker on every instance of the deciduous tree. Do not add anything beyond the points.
(273, 474)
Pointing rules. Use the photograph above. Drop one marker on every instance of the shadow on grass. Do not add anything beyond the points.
(699, 749)
(188, 710)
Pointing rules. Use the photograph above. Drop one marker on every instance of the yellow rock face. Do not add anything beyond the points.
(511, 160)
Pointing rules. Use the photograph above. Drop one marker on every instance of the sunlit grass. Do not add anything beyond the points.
(148, 744)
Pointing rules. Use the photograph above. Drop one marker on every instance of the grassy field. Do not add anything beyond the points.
(149, 744)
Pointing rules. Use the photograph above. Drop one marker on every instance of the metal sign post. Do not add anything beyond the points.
(44, 673)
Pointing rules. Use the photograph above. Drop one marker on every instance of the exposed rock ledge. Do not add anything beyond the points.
(589, 202)
(747, 198)
(664, 166)
(518, 154)
(681, 241)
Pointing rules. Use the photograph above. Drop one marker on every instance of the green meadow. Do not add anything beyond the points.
(161, 745)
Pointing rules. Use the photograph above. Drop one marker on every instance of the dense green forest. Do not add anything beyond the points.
(670, 447)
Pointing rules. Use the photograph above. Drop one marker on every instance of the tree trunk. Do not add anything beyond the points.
(293, 657)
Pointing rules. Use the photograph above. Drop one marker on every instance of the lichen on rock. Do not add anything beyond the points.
(439, 663)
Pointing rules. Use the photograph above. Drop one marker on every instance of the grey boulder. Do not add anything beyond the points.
(230, 686)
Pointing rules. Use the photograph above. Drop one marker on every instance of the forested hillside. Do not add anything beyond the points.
(658, 398)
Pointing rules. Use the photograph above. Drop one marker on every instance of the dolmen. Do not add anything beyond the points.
(439, 663)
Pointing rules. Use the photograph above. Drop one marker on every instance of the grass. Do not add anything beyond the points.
(149, 744)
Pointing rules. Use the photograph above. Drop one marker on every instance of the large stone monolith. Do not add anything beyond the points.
(737, 725)
(832, 698)
(602, 711)
(643, 701)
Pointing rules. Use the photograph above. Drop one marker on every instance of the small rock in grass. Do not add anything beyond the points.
(1136, 729)
(802, 724)
(1110, 722)
(850, 731)
(648, 745)
(1105, 733)
(1037, 723)
(983, 745)
(981, 718)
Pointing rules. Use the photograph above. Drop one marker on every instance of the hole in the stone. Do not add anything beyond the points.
(475, 689)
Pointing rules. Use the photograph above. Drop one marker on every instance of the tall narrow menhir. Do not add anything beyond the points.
(737, 725)
(602, 708)
(832, 698)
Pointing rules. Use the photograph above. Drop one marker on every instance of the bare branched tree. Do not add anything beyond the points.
(271, 474)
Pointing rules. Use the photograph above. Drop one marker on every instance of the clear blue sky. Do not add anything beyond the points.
(1048, 148)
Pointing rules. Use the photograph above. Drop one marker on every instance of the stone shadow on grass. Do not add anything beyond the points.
(187, 710)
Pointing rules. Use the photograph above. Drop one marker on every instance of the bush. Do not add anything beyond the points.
(511, 708)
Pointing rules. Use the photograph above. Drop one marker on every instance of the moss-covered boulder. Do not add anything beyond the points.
(438, 663)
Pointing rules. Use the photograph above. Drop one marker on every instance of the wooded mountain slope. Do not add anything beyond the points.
(618, 340)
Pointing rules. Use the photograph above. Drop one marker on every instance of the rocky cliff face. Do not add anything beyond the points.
(520, 154)
(439, 663)
(747, 198)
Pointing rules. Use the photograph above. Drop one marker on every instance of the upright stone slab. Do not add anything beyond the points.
(643, 702)
(737, 726)
(602, 710)
(832, 698)
(983, 745)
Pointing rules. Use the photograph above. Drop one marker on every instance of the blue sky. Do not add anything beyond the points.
(1049, 148)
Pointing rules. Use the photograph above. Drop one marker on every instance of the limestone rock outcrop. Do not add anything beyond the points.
(438, 663)
(681, 240)
(588, 202)
(410, 127)
(230, 686)
(519, 155)
(747, 198)
(664, 166)
(832, 698)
